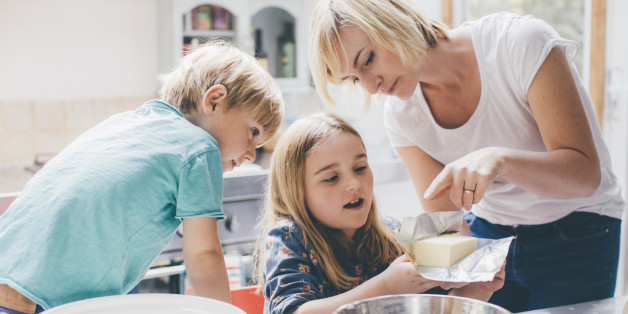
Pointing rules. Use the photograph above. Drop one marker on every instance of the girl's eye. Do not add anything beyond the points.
(331, 179)
(255, 132)
(370, 59)
(360, 169)
(356, 80)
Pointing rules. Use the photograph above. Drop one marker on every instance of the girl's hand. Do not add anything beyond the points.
(401, 277)
(447, 285)
(467, 178)
(482, 290)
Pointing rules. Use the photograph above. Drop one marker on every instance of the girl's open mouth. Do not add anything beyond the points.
(354, 204)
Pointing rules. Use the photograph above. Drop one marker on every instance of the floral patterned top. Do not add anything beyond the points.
(292, 274)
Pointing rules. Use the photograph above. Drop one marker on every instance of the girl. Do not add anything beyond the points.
(493, 115)
(322, 243)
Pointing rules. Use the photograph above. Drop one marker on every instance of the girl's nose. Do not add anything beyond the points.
(353, 183)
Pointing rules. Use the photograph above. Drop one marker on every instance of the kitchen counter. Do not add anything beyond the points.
(12, 179)
(615, 305)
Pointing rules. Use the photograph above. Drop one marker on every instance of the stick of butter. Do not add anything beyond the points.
(443, 251)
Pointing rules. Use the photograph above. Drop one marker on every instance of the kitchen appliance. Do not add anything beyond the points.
(420, 303)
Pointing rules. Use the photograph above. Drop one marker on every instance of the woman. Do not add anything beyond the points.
(491, 117)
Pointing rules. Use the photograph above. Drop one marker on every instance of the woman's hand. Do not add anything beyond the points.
(482, 290)
(467, 178)
(402, 277)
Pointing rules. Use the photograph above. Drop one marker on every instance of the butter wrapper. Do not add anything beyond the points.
(480, 265)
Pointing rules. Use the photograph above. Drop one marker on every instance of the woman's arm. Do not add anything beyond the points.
(569, 168)
(423, 169)
(204, 260)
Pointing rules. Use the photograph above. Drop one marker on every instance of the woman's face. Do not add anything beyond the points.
(339, 183)
(377, 70)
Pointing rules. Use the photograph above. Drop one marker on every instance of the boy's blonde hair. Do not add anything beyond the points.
(285, 199)
(395, 25)
(249, 86)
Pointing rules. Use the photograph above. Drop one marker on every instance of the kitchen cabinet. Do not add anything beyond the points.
(274, 30)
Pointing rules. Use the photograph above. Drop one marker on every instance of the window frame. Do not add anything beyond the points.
(595, 12)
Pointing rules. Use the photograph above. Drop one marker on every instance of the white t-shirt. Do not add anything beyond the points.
(509, 50)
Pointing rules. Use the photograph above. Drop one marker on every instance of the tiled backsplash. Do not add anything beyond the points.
(36, 127)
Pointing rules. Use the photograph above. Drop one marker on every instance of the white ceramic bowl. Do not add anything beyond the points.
(153, 303)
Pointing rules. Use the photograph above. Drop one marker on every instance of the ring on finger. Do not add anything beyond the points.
(468, 191)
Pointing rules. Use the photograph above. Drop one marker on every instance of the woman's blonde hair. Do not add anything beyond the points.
(398, 26)
(249, 86)
(285, 199)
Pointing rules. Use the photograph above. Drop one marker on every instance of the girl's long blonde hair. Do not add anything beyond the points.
(395, 25)
(374, 243)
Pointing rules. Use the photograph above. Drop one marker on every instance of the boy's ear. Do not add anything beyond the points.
(213, 96)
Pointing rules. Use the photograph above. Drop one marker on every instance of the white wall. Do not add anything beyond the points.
(77, 49)
(66, 65)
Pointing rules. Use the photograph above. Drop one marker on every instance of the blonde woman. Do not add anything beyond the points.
(491, 117)
(322, 243)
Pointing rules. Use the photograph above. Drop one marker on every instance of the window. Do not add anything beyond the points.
(567, 17)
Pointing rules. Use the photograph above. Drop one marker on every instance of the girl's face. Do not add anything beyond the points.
(339, 183)
(377, 70)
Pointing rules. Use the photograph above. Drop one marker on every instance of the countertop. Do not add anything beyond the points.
(12, 179)
(385, 169)
(615, 305)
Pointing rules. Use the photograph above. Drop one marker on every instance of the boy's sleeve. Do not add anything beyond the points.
(291, 276)
(200, 187)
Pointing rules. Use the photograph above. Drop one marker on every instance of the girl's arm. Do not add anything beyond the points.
(204, 260)
(569, 168)
(399, 278)
(294, 281)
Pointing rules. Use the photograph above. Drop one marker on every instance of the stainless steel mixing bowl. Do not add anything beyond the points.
(420, 303)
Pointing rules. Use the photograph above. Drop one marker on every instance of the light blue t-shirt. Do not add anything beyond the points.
(90, 223)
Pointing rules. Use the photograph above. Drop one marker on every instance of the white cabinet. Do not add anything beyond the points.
(282, 24)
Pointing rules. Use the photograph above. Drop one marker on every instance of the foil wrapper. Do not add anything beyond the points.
(480, 265)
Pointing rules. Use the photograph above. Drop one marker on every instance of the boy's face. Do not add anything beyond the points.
(236, 132)
(237, 135)
(339, 183)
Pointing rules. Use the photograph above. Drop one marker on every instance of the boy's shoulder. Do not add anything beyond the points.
(174, 127)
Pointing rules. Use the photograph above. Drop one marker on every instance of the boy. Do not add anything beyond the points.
(90, 223)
